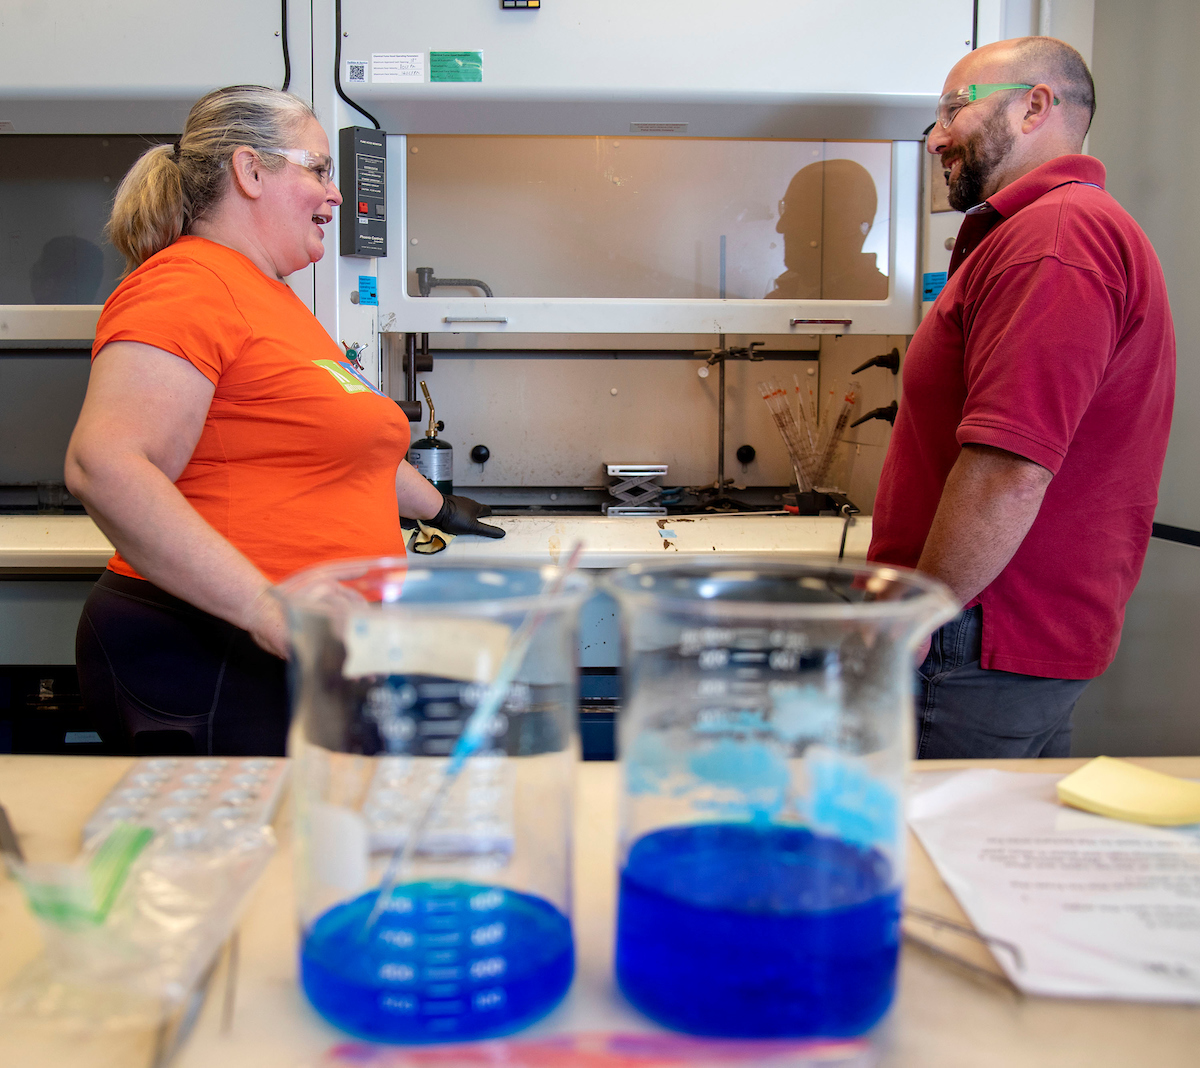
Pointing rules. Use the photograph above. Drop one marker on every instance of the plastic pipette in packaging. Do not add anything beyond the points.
(825, 420)
(803, 398)
(836, 430)
(799, 450)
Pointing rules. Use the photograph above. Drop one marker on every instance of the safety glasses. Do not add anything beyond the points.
(320, 165)
(954, 101)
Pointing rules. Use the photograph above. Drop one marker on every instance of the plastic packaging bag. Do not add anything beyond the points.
(131, 925)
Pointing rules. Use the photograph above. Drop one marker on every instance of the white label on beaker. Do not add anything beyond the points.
(338, 847)
(451, 647)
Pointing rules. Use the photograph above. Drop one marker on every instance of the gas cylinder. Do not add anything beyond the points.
(430, 455)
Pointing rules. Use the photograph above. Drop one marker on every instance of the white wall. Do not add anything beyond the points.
(1146, 703)
(1145, 133)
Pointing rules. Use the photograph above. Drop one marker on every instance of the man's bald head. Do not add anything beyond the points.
(1047, 60)
(986, 143)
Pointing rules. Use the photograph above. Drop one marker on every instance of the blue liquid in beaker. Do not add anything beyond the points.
(446, 961)
(753, 932)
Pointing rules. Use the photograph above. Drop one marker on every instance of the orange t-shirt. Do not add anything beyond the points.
(297, 461)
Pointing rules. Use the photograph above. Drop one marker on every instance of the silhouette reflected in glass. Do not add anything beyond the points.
(825, 217)
(69, 271)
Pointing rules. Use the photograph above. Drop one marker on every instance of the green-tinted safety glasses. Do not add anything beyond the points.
(951, 103)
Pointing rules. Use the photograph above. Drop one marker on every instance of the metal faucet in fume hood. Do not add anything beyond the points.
(426, 282)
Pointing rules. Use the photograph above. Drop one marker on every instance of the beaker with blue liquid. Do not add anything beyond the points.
(763, 741)
(466, 933)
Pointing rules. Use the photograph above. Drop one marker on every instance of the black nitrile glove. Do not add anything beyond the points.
(460, 515)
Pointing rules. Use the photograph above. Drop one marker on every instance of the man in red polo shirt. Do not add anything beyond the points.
(1023, 471)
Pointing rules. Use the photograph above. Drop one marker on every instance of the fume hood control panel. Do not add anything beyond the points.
(364, 189)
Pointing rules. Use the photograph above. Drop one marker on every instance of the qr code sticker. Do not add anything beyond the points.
(356, 72)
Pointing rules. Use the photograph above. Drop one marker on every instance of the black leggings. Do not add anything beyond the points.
(162, 677)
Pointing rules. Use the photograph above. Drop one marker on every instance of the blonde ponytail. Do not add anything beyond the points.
(171, 186)
(147, 211)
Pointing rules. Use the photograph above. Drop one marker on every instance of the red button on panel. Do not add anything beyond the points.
(363, 209)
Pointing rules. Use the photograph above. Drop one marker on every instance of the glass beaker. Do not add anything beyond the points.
(763, 743)
(390, 659)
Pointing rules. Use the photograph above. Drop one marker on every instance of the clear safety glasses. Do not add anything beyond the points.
(320, 165)
(954, 101)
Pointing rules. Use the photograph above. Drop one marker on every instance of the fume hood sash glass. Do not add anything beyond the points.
(647, 217)
(505, 237)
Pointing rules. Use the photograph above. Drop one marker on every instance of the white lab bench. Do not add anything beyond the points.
(945, 1016)
(57, 542)
(48, 565)
(45, 563)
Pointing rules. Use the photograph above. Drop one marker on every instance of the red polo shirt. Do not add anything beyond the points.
(1053, 340)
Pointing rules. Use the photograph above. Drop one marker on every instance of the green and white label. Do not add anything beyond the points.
(456, 66)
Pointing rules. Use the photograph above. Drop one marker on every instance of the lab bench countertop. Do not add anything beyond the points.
(52, 542)
(65, 542)
(945, 1016)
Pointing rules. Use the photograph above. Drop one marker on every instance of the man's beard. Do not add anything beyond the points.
(983, 152)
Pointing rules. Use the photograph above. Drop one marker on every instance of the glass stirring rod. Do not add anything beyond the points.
(473, 733)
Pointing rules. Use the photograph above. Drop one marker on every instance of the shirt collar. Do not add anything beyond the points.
(1039, 181)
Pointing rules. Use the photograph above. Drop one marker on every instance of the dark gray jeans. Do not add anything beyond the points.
(966, 711)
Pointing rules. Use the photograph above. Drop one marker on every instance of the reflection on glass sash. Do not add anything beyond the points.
(55, 198)
(825, 217)
(649, 217)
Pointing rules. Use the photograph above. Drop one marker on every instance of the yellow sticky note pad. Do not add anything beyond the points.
(1126, 791)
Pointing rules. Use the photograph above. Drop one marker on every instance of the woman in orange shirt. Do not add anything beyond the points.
(225, 441)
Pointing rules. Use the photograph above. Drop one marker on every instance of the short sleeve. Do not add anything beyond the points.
(180, 306)
(1040, 336)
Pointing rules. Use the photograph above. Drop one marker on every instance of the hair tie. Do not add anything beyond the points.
(175, 152)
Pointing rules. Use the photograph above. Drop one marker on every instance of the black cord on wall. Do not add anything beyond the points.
(287, 59)
(337, 66)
